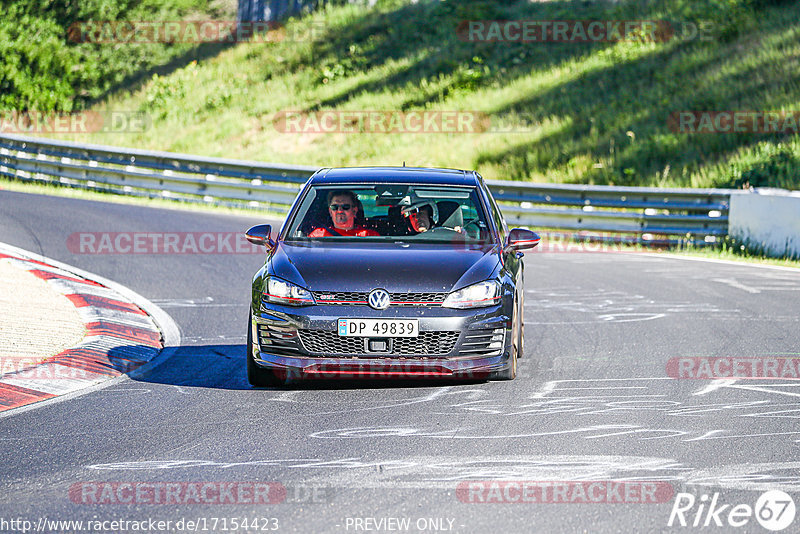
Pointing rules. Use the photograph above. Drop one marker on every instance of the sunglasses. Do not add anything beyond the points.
(343, 207)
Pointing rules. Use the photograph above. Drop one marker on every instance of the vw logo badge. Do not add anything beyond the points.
(378, 299)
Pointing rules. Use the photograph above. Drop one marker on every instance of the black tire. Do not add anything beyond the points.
(510, 373)
(258, 376)
(521, 334)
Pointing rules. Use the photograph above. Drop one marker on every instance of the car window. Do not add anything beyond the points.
(390, 212)
(499, 221)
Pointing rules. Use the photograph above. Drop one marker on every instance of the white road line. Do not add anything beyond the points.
(723, 262)
(765, 390)
(737, 285)
(715, 385)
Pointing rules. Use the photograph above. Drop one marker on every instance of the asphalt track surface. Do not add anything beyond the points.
(593, 400)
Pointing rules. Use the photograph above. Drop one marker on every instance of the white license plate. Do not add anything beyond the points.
(379, 327)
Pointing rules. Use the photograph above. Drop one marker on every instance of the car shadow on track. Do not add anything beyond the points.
(224, 367)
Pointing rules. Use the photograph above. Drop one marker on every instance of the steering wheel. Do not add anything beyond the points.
(442, 230)
(473, 228)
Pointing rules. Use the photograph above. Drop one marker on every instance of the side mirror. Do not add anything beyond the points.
(260, 235)
(521, 239)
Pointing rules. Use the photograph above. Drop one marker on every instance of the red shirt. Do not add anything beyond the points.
(355, 232)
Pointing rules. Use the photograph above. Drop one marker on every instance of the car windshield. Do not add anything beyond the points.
(390, 212)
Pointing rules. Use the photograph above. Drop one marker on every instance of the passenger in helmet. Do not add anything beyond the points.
(420, 216)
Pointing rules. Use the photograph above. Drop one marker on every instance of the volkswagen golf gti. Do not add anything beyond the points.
(388, 272)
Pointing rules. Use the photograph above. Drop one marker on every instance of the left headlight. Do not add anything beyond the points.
(282, 292)
(478, 295)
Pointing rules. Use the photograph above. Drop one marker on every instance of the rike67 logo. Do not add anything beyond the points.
(774, 510)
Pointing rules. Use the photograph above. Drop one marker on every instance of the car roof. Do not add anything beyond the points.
(394, 175)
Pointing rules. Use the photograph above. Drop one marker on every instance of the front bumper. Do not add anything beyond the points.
(282, 341)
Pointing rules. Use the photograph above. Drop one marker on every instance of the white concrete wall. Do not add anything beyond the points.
(768, 219)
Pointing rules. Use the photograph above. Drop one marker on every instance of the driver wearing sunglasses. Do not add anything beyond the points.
(343, 209)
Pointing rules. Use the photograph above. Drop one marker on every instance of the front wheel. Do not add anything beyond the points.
(521, 333)
(258, 376)
(510, 372)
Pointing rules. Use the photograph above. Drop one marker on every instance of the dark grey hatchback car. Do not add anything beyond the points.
(388, 272)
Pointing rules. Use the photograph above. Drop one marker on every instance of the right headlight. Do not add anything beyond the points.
(280, 291)
(478, 295)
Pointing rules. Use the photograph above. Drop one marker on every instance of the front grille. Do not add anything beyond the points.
(358, 298)
(341, 298)
(326, 343)
(483, 342)
(323, 343)
(278, 340)
(410, 299)
(427, 343)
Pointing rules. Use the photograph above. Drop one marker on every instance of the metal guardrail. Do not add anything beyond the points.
(645, 214)
(645, 211)
(152, 174)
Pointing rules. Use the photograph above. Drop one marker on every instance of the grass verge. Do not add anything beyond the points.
(564, 112)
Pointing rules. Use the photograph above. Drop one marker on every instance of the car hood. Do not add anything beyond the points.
(392, 266)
